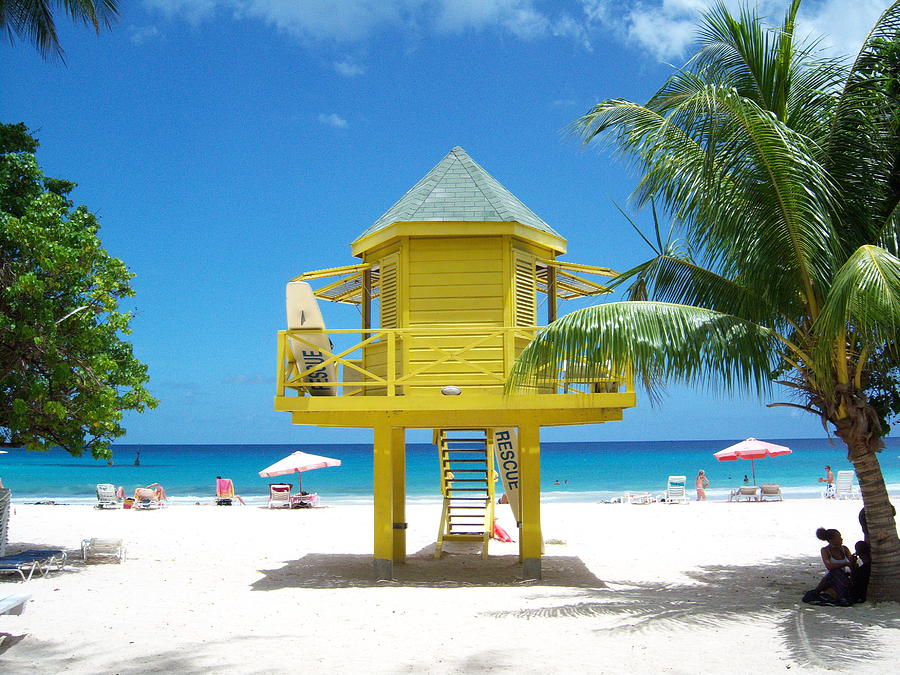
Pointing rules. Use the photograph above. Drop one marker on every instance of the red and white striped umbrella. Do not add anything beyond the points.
(298, 462)
(751, 449)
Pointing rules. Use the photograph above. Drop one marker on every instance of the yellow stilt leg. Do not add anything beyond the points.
(384, 502)
(531, 540)
(398, 459)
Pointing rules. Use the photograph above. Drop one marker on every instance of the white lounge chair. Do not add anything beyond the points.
(103, 548)
(14, 604)
(675, 490)
(106, 497)
(769, 492)
(280, 495)
(749, 493)
(843, 486)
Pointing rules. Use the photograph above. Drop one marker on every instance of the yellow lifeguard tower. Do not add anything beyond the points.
(448, 288)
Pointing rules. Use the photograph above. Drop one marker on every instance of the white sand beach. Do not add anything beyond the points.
(708, 587)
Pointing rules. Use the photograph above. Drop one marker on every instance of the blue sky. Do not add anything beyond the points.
(229, 145)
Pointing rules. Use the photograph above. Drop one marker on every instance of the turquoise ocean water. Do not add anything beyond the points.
(585, 471)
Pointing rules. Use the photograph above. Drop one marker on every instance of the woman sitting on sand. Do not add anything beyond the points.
(839, 562)
(153, 491)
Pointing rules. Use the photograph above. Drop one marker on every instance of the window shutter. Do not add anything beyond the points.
(525, 291)
(389, 291)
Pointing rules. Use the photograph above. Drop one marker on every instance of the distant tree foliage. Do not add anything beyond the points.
(33, 20)
(66, 374)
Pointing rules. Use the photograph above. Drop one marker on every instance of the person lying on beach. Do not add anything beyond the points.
(834, 588)
(153, 491)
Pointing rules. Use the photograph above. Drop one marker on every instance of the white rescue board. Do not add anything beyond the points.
(303, 312)
(506, 450)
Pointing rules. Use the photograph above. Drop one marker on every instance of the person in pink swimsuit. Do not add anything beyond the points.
(701, 484)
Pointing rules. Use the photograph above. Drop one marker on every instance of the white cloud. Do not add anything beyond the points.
(193, 11)
(143, 34)
(666, 28)
(350, 21)
(333, 120)
(349, 68)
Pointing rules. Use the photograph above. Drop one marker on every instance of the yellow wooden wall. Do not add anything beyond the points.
(455, 281)
(471, 282)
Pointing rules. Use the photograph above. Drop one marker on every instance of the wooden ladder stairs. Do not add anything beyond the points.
(467, 485)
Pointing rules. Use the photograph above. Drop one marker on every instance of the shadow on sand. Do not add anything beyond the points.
(827, 637)
(421, 569)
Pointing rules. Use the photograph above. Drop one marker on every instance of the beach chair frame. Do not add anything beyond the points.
(676, 491)
(103, 548)
(844, 487)
(280, 495)
(106, 497)
(33, 560)
(14, 604)
(770, 492)
(748, 493)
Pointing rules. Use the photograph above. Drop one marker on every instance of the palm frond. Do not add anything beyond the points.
(862, 147)
(864, 301)
(657, 341)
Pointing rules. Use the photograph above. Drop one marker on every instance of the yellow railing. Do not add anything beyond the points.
(401, 361)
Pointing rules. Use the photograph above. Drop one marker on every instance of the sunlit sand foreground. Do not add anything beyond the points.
(710, 587)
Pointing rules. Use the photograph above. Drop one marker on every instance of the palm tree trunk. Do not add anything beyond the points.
(884, 584)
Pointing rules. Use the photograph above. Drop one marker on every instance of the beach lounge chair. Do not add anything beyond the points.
(13, 603)
(280, 495)
(106, 497)
(769, 492)
(147, 504)
(675, 492)
(304, 500)
(749, 493)
(31, 561)
(224, 491)
(638, 498)
(843, 485)
(103, 548)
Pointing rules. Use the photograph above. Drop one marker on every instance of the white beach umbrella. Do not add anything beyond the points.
(298, 462)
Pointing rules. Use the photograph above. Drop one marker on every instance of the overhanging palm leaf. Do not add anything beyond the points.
(680, 343)
(33, 19)
(864, 298)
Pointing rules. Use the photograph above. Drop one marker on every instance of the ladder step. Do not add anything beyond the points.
(480, 461)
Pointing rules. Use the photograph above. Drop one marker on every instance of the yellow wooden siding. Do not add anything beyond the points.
(455, 282)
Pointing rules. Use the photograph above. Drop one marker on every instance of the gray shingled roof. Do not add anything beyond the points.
(458, 189)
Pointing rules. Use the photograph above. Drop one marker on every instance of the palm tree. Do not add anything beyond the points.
(33, 19)
(781, 171)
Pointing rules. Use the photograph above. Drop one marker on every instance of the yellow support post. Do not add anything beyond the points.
(530, 537)
(398, 460)
(384, 501)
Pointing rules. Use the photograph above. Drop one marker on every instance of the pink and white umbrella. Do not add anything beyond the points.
(751, 449)
(298, 462)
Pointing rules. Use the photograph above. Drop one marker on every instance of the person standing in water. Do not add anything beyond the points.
(701, 484)
(137, 458)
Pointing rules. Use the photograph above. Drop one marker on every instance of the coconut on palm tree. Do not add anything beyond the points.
(781, 171)
(33, 20)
